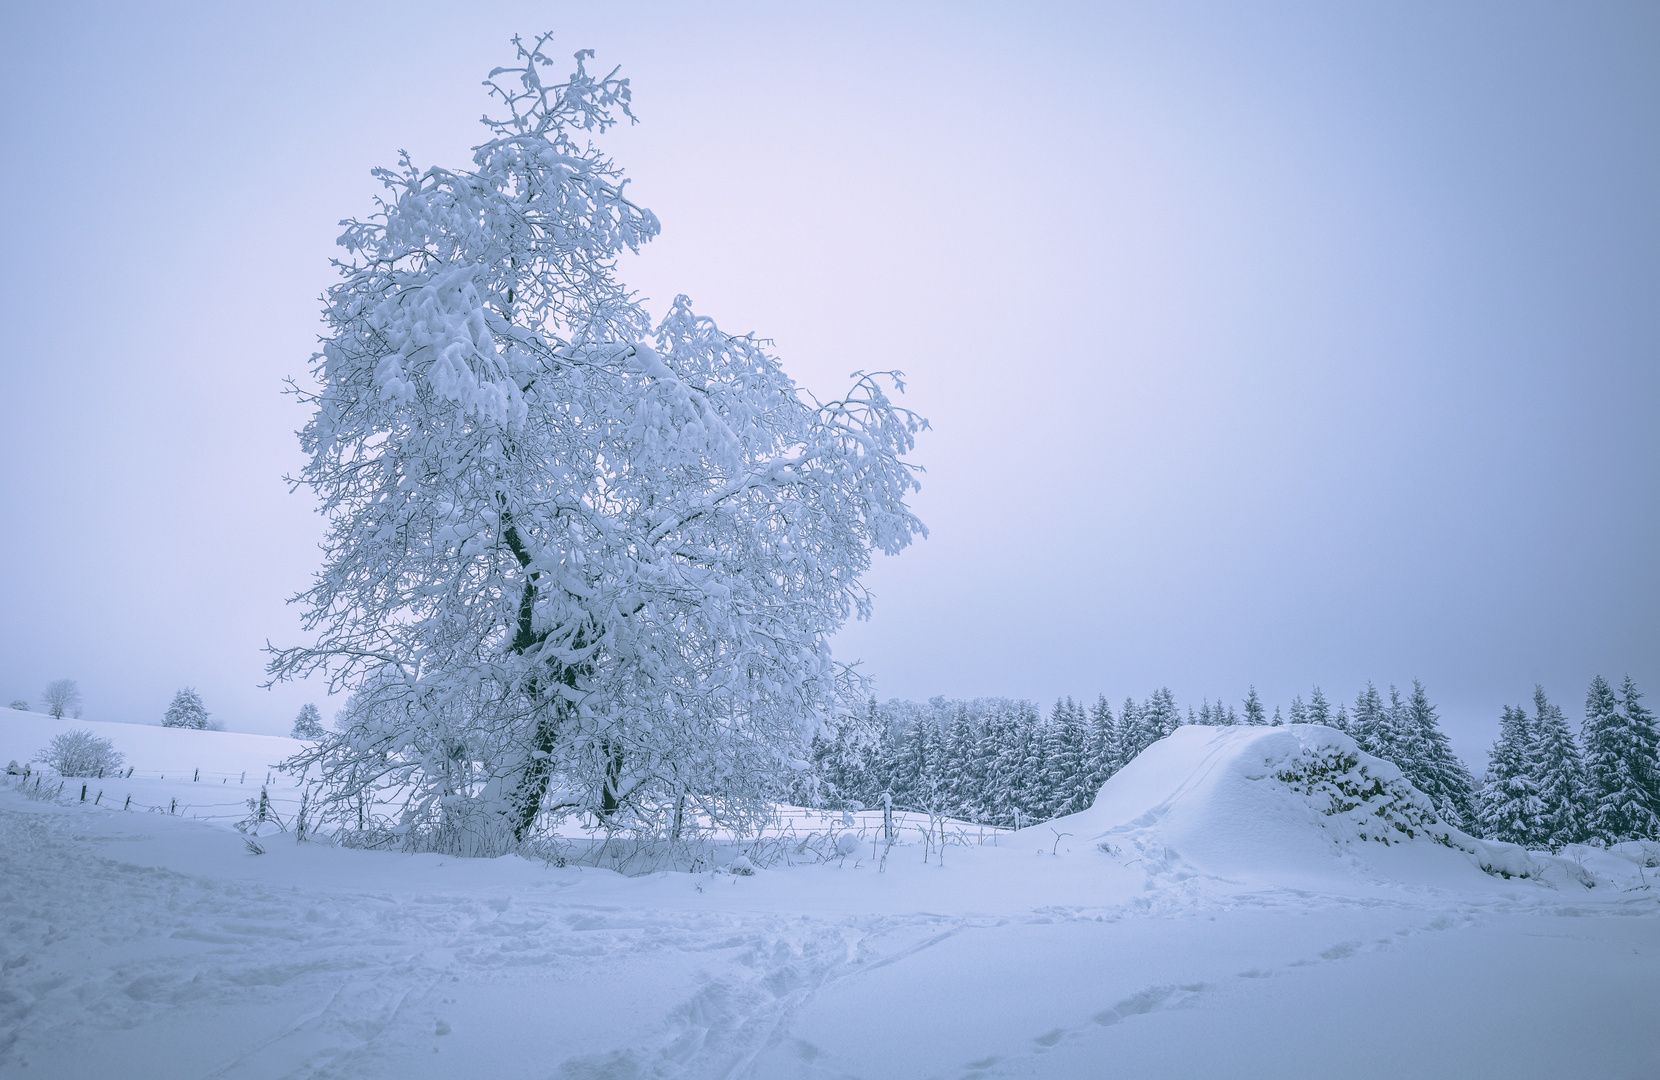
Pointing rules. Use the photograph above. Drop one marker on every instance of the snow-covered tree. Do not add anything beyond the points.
(61, 697)
(186, 711)
(20, 705)
(1369, 723)
(1432, 767)
(599, 558)
(80, 753)
(1160, 717)
(1103, 756)
(1253, 709)
(308, 724)
(1559, 773)
(1298, 712)
(1319, 711)
(1509, 808)
(1622, 776)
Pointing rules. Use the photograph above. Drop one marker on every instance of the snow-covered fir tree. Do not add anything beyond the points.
(1509, 807)
(1160, 717)
(186, 711)
(1559, 775)
(1102, 761)
(1622, 777)
(1432, 767)
(578, 560)
(1319, 711)
(308, 724)
(1253, 711)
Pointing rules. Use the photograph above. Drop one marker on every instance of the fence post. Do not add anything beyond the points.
(129, 803)
(198, 775)
(99, 799)
(83, 793)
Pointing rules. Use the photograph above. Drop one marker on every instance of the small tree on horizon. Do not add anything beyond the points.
(186, 711)
(309, 724)
(62, 696)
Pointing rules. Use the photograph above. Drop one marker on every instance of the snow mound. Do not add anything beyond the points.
(1284, 803)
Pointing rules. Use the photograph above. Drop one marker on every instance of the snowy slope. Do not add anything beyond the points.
(208, 775)
(1230, 928)
(151, 749)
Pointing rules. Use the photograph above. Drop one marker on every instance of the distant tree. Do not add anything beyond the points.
(186, 711)
(20, 705)
(1622, 796)
(1559, 773)
(1319, 711)
(1398, 736)
(1298, 713)
(62, 696)
(1130, 732)
(1277, 721)
(1509, 808)
(80, 753)
(1254, 714)
(1102, 759)
(1161, 717)
(1340, 720)
(309, 724)
(1369, 725)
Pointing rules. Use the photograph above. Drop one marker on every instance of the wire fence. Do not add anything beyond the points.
(268, 800)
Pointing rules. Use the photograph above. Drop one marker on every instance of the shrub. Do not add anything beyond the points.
(80, 753)
(20, 705)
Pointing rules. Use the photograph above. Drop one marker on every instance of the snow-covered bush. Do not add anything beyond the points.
(20, 705)
(80, 753)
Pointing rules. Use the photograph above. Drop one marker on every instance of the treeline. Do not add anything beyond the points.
(1003, 762)
(1545, 788)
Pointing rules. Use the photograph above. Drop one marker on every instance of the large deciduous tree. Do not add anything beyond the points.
(576, 558)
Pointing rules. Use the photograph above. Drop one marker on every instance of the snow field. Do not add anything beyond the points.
(205, 775)
(144, 945)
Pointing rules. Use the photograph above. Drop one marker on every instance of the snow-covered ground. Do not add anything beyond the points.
(1207, 917)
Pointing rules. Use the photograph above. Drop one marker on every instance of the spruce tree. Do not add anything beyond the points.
(1559, 773)
(186, 711)
(1621, 797)
(309, 724)
(1399, 735)
(1060, 759)
(1509, 808)
(1254, 714)
(1298, 713)
(1103, 743)
(1319, 711)
(1435, 769)
(1161, 717)
(1130, 733)
(1340, 720)
(1369, 723)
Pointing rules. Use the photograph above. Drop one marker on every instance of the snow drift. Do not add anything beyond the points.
(1283, 803)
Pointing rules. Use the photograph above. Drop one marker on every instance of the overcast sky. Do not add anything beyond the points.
(1300, 344)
